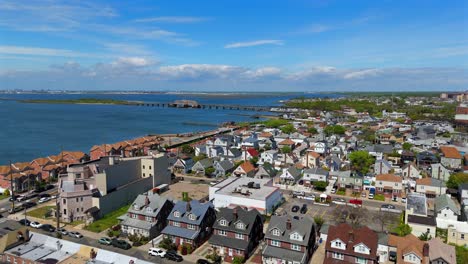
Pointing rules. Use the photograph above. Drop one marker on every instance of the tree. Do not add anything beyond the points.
(403, 230)
(407, 146)
(383, 218)
(312, 130)
(254, 161)
(286, 149)
(334, 130)
(425, 236)
(238, 260)
(209, 171)
(361, 161)
(320, 185)
(358, 216)
(6, 192)
(340, 214)
(199, 157)
(166, 243)
(187, 149)
(319, 221)
(288, 129)
(456, 179)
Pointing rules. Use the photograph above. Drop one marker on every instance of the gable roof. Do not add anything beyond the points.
(353, 237)
(405, 245)
(247, 167)
(287, 142)
(438, 249)
(304, 227)
(313, 154)
(445, 201)
(387, 177)
(318, 171)
(450, 152)
(233, 216)
(253, 152)
(226, 164)
(430, 182)
(196, 208)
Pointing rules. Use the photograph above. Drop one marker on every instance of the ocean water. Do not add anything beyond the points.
(31, 130)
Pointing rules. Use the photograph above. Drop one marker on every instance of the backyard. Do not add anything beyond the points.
(41, 212)
(107, 221)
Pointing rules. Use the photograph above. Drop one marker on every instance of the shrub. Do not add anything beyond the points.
(167, 244)
(238, 260)
(6, 192)
(110, 233)
(214, 257)
(137, 243)
(116, 228)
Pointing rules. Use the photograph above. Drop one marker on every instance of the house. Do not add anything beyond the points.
(416, 215)
(232, 154)
(147, 216)
(389, 185)
(346, 179)
(430, 187)
(407, 156)
(101, 186)
(426, 132)
(246, 169)
(407, 249)
(438, 171)
(215, 151)
(190, 223)
(247, 192)
(286, 143)
(446, 211)
(290, 175)
(311, 159)
(183, 165)
(425, 159)
(450, 157)
(321, 147)
(19, 176)
(348, 245)
(265, 171)
(379, 151)
(441, 253)
(250, 153)
(315, 174)
(410, 170)
(269, 156)
(223, 141)
(200, 166)
(333, 162)
(289, 240)
(382, 166)
(200, 149)
(462, 192)
(251, 142)
(457, 233)
(222, 168)
(236, 232)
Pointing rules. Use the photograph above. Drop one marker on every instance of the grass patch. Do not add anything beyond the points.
(341, 192)
(42, 212)
(379, 197)
(462, 254)
(75, 223)
(107, 221)
(442, 234)
(2, 196)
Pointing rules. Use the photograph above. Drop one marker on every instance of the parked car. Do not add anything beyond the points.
(356, 202)
(156, 252)
(403, 199)
(105, 241)
(20, 198)
(24, 222)
(304, 209)
(35, 224)
(387, 206)
(13, 198)
(75, 234)
(297, 193)
(42, 195)
(371, 196)
(170, 255)
(339, 201)
(363, 195)
(121, 244)
(48, 228)
(29, 204)
(62, 231)
(16, 209)
(203, 261)
(49, 187)
(44, 199)
(333, 190)
(295, 208)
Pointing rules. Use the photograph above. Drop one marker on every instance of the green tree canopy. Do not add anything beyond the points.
(288, 129)
(312, 130)
(456, 179)
(320, 185)
(334, 130)
(407, 146)
(361, 161)
(286, 149)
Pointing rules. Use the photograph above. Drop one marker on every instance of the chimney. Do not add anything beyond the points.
(234, 212)
(351, 236)
(288, 224)
(426, 250)
(188, 208)
(147, 201)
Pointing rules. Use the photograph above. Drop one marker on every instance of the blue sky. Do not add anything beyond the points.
(234, 45)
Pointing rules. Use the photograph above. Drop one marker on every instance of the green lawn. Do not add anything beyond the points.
(2, 196)
(341, 192)
(379, 197)
(40, 212)
(107, 221)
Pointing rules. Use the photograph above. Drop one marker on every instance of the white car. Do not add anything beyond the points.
(44, 199)
(75, 234)
(35, 224)
(157, 252)
(371, 196)
(333, 190)
(403, 199)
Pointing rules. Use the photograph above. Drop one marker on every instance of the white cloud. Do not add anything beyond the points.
(263, 72)
(254, 43)
(311, 73)
(191, 71)
(362, 73)
(173, 19)
(36, 51)
(133, 62)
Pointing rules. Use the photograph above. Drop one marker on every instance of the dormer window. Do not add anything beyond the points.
(240, 226)
(149, 210)
(276, 232)
(296, 236)
(176, 214)
(223, 222)
(136, 207)
(192, 217)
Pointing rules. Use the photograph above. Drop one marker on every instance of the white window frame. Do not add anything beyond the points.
(295, 247)
(134, 216)
(149, 219)
(276, 232)
(239, 236)
(240, 226)
(337, 255)
(222, 232)
(176, 214)
(223, 222)
(191, 227)
(275, 243)
(175, 223)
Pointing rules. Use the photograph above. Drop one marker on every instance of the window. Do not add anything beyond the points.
(361, 248)
(176, 214)
(338, 244)
(240, 226)
(462, 236)
(81, 198)
(134, 216)
(81, 209)
(223, 222)
(189, 226)
(361, 260)
(143, 166)
(238, 252)
(192, 217)
(76, 199)
(396, 184)
(144, 174)
(149, 219)
(150, 167)
(64, 201)
(276, 232)
(295, 247)
(239, 236)
(296, 236)
(337, 256)
(175, 223)
(275, 243)
(222, 233)
(65, 211)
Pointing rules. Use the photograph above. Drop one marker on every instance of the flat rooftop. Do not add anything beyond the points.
(417, 202)
(239, 187)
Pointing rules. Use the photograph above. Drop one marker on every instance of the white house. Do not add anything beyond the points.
(430, 187)
(438, 171)
(410, 170)
(320, 147)
(269, 156)
(382, 166)
(315, 174)
(445, 210)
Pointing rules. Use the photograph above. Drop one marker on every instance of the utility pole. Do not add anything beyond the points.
(12, 189)
(57, 212)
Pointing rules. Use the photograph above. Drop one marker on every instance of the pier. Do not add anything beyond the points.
(195, 105)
